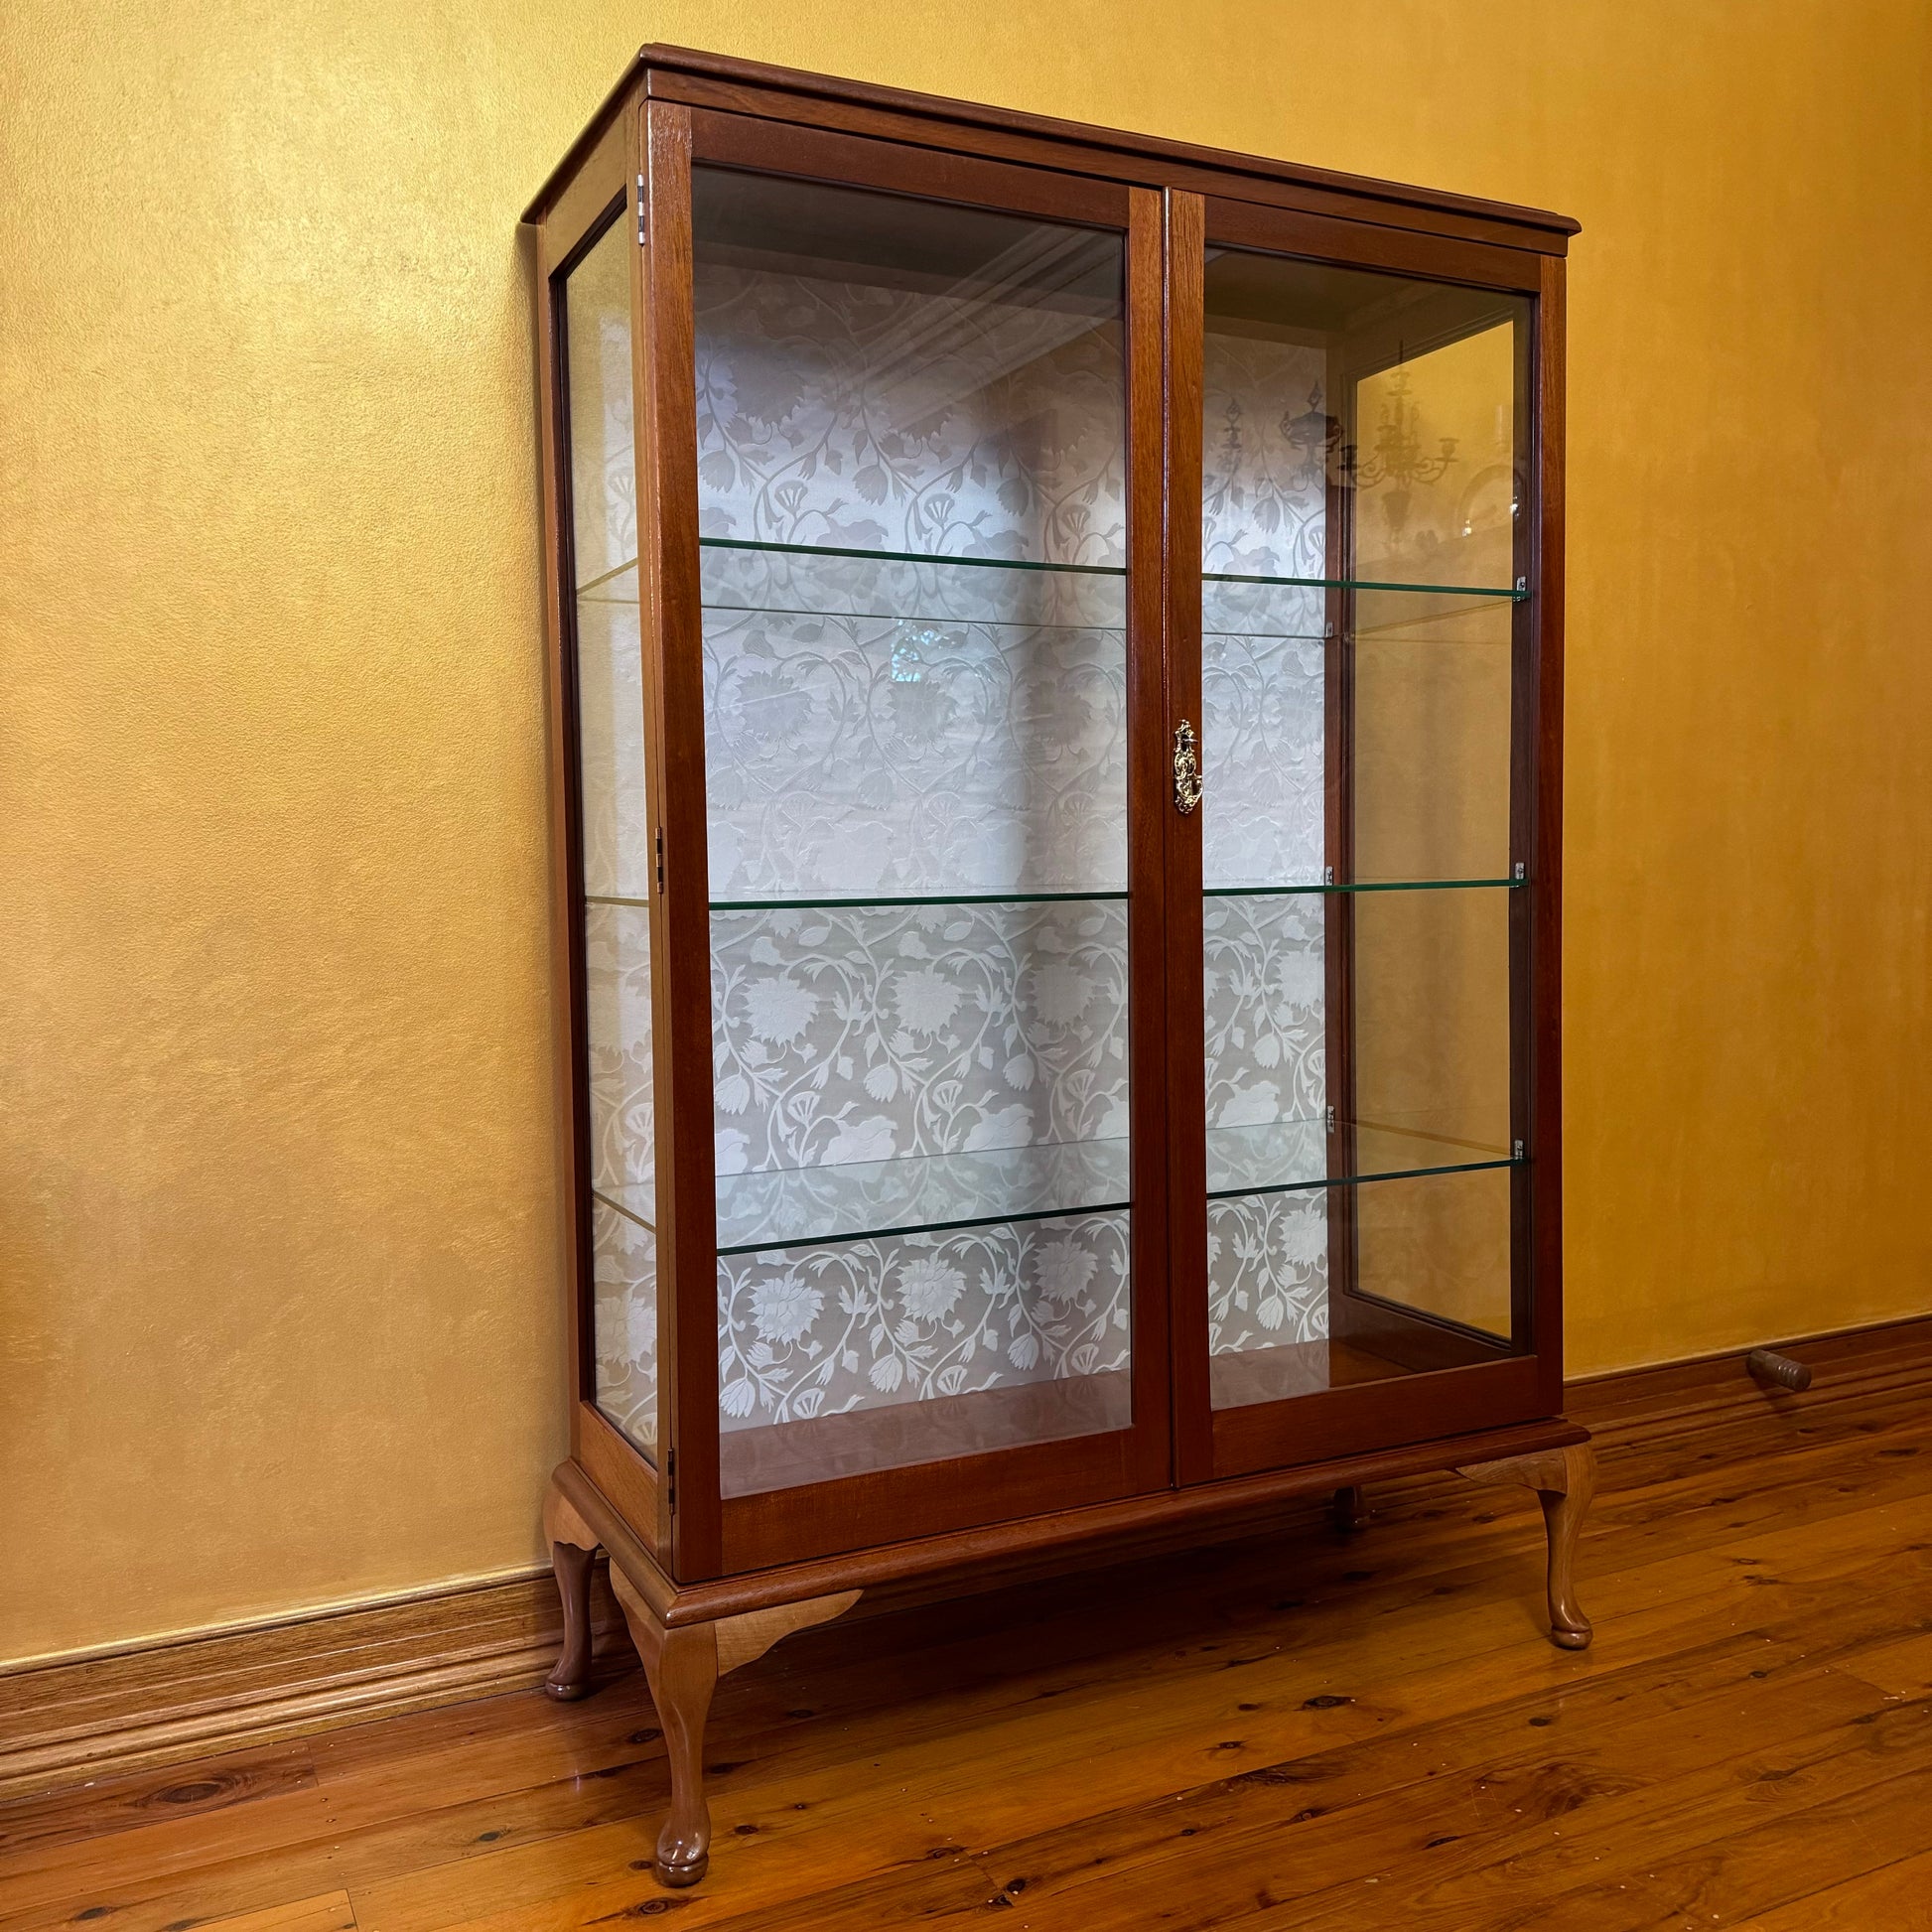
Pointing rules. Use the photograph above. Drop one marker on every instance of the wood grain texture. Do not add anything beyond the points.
(1294, 1729)
(107, 1717)
(1537, 838)
(1183, 322)
(1150, 1003)
(682, 1667)
(1563, 1480)
(1066, 1536)
(733, 86)
(156, 1706)
(667, 483)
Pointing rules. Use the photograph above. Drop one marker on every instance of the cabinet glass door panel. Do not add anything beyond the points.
(1364, 440)
(615, 820)
(912, 481)
(1426, 1286)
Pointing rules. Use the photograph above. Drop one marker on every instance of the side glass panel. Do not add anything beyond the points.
(613, 800)
(1365, 468)
(912, 544)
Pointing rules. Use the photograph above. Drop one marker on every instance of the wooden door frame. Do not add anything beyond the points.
(596, 197)
(1509, 1387)
(710, 1532)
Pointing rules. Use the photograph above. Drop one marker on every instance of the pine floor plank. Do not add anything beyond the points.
(1897, 1897)
(100, 1810)
(1903, 1668)
(331, 1912)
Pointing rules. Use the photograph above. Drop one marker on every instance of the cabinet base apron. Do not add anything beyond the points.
(689, 1637)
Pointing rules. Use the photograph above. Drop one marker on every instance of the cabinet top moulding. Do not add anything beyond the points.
(719, 82)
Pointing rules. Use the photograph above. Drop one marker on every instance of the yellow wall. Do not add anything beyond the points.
(278, 1305)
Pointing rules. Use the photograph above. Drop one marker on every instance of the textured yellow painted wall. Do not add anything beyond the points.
(278, 1301)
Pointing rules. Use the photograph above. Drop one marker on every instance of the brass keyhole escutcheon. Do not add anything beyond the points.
(1186, 769)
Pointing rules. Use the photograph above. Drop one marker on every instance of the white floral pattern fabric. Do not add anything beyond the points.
(876, 728)
(1264, 514)
(602, 445)
(987, 420)
(1264, 456)
(1264, 1005)
(623, 1323)
(616, 844)
(820, 1330)
(859, 1035)
(860, 754)
(1268, 1269)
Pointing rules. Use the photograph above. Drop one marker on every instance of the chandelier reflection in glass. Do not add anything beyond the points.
(1397, 467)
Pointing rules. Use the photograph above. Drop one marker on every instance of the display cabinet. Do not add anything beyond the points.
(1055, 694)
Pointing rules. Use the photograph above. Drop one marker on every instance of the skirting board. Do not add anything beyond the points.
(1847, 1361)
(64, 1723)
(67, 1723)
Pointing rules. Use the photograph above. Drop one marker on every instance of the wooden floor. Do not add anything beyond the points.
(1303, 1731)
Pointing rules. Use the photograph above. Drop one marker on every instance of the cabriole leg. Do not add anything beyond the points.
(1565, 1480)
(683, 1666)
(683, 1674)
(573, 1546)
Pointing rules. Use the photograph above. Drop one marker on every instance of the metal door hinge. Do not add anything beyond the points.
(660, 859)
(670, 1480)
(640, 210)
(1331, 1120)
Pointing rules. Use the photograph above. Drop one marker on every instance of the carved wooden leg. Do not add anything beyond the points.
(1563, 1480)
(573, 1546)
(684, 1665)
(683, 1673)
(1350, 1510)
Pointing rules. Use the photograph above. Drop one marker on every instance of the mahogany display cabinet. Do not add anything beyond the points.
(1056, 705)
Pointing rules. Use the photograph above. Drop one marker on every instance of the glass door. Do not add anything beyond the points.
(910, 434)
(613, 817)
(1366, 484)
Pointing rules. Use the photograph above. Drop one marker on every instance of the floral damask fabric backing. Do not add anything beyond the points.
(880, 727)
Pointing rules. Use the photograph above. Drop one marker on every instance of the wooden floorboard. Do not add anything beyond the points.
(1297, 1731)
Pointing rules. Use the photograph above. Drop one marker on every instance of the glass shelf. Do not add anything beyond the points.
(838, 902)
(1075, 895)
(612, 582)
(1451, 627)
(1262, 889)
(636, 1200)
(902, 588)
(858, 902)
(1295, 610)
(609, 586)
(804, 1206)
(794, 583)
(794, 1206)
(907, 557)
(1281, 1155)
(1364, 584)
